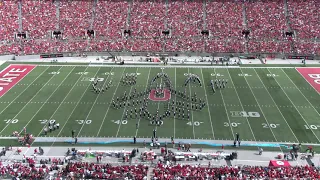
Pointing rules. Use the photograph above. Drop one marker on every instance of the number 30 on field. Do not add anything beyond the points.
(84, 121)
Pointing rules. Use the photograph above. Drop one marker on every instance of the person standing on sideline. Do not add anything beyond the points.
(154, 133)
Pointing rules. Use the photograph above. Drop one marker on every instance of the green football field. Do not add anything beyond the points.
(261, 104)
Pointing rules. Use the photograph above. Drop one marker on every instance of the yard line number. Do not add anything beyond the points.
(195, 123)
(273, 126)
(11, 121)
(313, 127)
(272, 75)
(245, 114)
(244, 75)
(54, 72)
(218, 74)
(233, 124)
(91, 79)
(108, 73)
(82, 73)
(81, 121)
(120, 121)
(45, 121)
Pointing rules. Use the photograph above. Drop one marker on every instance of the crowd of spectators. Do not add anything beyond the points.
(305, 17)
(33, 168)
(75, 17)
(111, 18)
(166, 172)
(8, 20)
(269, 46)
(266, 19)
(185, 19)
(104, 171)
(146, 20)
(38, 18)
(224, 19)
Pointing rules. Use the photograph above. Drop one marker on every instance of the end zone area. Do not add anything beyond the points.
(261, 104)
(11, 75)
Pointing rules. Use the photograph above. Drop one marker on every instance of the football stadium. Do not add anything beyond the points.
(159, 89)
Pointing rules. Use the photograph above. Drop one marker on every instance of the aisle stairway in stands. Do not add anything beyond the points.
(288, 22)
(20, 24)
(245, 25)
(204, 17)
(20, 15)
(150, 172)
(130, 2)
(57, 4)
(93, 16)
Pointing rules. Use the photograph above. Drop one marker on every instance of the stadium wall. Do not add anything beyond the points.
(7, 57)
(164, 54)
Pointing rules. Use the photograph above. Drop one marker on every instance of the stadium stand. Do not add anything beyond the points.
(110, 19)
(305, 17)
(237, 172)
(57, 169)
(9, 20)
(266, 19)
(224, 18)
(75, 17)
(147, 18)
(39, 18)
(266, 22)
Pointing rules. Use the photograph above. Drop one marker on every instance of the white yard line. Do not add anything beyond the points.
(259, 107)
(159, 101)
(144, 90)
(29, 101)
(301, 92)
(103, 86)
(254, 137)
(225, 108)
(276, 106)
(47, 99)
(62, 101)
(75, 106)
(205, 92)
(124, 109)
(194, 134)
(295, 107)
(105, 115)
(23, 90)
